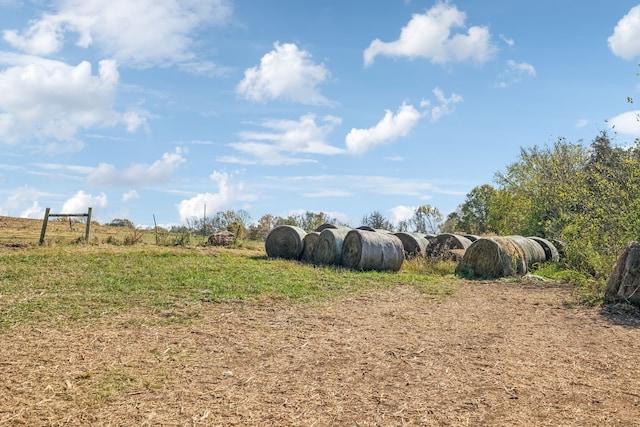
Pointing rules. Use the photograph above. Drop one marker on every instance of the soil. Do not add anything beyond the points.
(494, 354)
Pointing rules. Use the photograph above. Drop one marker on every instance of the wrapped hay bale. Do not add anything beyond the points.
(623, 284)
(368, 250)
(325, 225)
(491, 258)
(309, 243)
(328, 247)
(533, 252)
(550, 251)
(415, 244)
(376, 230)
(285, 241)
(442, 244)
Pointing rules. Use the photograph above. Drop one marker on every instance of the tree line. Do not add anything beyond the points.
(586, 196)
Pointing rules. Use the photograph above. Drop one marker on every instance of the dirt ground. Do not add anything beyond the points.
(494, 354)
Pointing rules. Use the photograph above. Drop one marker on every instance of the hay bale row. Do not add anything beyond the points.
(357, 249)
(494, 257)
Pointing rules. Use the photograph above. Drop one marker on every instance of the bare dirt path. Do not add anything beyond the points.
(493, 354)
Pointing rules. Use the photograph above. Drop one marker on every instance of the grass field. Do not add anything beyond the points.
(182, 334)
(68, 280)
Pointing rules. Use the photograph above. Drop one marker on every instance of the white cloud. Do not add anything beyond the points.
(507, 40)
(281, 140)
(139, 33)
(391, 127)
(625, 40)
(429, 36)
(214, 202)
(445, 107)
(23, 202)
(81, 201)
(515, 72)
(130, 195)
(50, 101)
(627, 123)
(285, 73)
(139, 174)
(402, 213)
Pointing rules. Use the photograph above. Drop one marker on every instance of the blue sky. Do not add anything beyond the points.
(162, 107)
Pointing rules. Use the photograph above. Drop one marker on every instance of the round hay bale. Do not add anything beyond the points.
(415, 244)
(471, 237)
(309, 244)
(623, 284)
(550, 251)
(367, 250)
(285, 241)
(328, 247)
(324, 226)
(492, 258)
(440, 245)
(533, 252)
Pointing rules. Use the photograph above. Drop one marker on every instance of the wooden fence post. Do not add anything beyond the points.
(44, 225)
(88, 231)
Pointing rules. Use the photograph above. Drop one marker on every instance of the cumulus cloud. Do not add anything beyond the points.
(226, 195)
(286, 73)
(627, 123)
(50, 101)
(281, 142)
(430, 36)
(402, 213)
(81, 201)
(139, 33)
(23, 202)
(130, 195)
(391, 127)
(515, 72)
(625, 40)
(137, 175)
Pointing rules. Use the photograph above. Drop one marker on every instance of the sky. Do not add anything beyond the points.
(172, 109)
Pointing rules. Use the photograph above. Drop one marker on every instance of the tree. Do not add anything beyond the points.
(261, 229)
(309, 221)
(120, 222)
(378, 221)
(544, 189)
(426, 219)
(451, 224)
(475, 211)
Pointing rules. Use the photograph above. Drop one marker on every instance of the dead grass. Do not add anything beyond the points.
(493, 354)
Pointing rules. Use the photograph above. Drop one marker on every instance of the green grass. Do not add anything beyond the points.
(79, 282)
